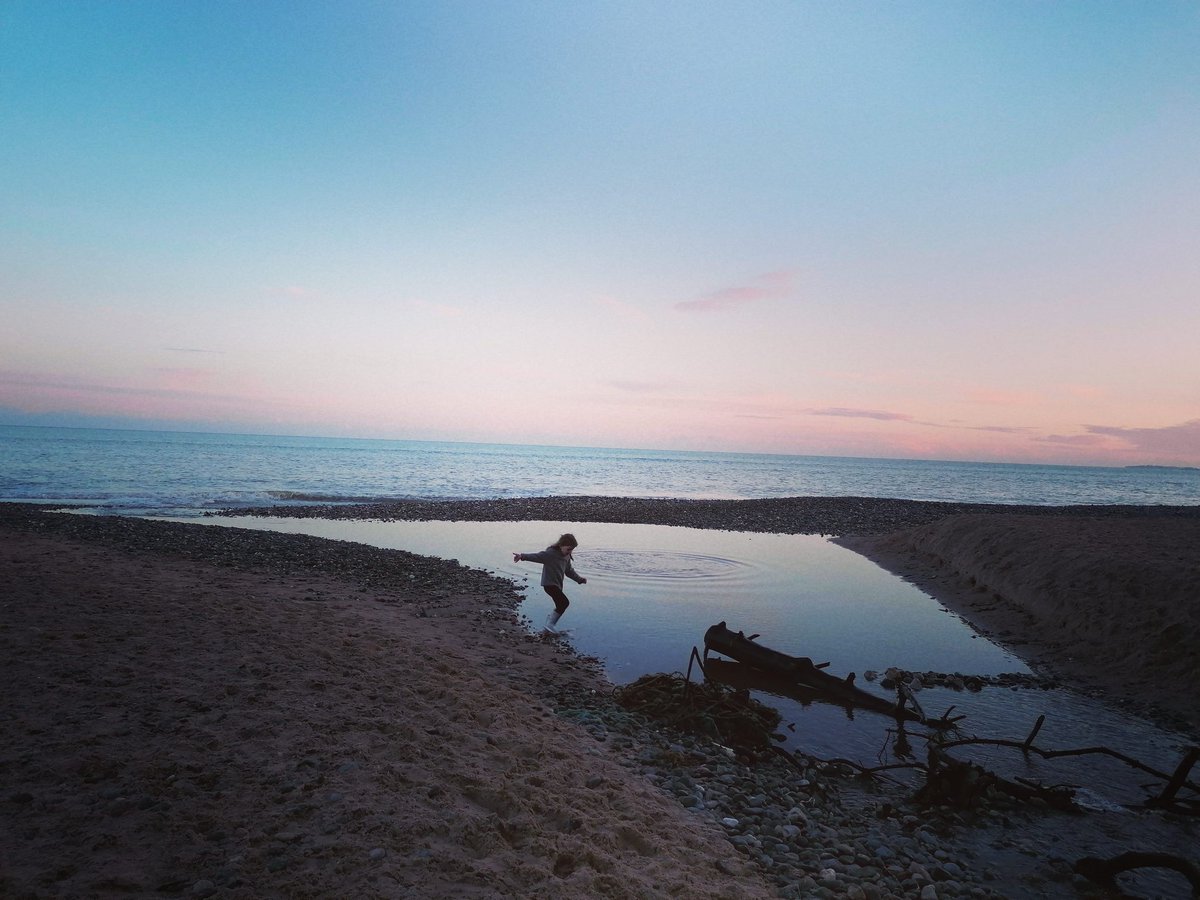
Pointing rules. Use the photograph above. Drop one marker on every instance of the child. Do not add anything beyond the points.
(556, 562)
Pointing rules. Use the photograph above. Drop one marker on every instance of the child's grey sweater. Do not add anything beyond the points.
(554, 566)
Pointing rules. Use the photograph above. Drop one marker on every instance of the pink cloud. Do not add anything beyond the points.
(1171, 444)
(769, 286)
(993, 397)
(844, 412)
(1074, 440)
(1001, 429)
(78, 387)
(1172, 441)
(168, 393)
(643, 387)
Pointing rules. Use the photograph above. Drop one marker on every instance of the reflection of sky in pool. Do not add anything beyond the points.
(652, 592)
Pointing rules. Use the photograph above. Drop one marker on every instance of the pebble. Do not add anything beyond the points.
(377, 854)
(802, 834)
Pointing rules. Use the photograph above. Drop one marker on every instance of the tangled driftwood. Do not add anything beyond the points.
(732, 717)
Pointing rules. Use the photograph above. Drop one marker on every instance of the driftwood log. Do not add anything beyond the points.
(1167, 799)
(963, 784)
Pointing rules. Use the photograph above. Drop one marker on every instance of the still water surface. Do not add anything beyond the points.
(653, 590)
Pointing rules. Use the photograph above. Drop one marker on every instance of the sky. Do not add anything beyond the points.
(936, 230)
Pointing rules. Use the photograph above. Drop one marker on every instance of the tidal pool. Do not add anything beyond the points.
(653, 590)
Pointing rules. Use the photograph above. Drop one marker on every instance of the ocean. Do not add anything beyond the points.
(182, 473)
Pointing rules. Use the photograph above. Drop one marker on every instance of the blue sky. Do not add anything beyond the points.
(938, 230)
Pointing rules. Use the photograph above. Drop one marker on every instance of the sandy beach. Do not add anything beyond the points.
(180, 720)
(213, 712)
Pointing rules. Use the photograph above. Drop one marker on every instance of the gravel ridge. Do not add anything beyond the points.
(781, 515)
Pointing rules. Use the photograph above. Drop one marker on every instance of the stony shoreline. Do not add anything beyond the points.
(810, 833)
(783, 515)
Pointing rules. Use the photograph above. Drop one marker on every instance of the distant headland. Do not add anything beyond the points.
(1165, 468)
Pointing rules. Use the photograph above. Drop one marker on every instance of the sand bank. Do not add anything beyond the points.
(1111, 603)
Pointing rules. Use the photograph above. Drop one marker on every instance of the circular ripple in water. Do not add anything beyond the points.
(656, 564)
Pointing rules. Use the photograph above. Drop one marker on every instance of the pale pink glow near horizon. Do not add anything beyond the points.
(776, 228)
(659, 423)
(625, 380)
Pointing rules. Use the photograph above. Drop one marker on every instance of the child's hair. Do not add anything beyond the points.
(567, 540)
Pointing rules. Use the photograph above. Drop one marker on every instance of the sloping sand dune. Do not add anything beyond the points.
(1114, 601)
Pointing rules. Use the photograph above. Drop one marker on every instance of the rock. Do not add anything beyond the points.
(929, 892)
(377, 854)
(727, 868)
(120, 806)
(919, 873)
(950, 871)
(203, 888)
